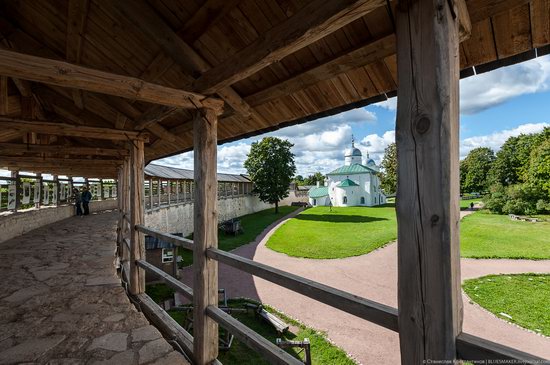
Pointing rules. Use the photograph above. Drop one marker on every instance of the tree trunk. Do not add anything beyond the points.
(276, 207)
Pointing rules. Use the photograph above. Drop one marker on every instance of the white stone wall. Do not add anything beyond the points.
(16, 224)
(179, 218)
(369, 188)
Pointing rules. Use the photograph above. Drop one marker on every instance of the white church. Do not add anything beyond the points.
(353, 184)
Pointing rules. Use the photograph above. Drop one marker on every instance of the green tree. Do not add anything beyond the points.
(388, 176)
(474, 169)
(271, 167)
(313, 179)
(538, 173)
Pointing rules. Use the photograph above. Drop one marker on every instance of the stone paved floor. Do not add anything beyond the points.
(61, 301)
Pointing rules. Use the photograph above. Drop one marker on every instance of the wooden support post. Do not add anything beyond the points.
(100, 193)
(150, 193)
(205, 283)
(159, 192)
(15, 175)
(184, 190)
(177, 191)
(40, 187)
(169, 189)
(429, 297)
(137, 240)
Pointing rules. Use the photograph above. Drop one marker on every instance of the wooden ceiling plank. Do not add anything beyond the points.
(60, 161)
(4, 98)
(185, 56)
(540, 22)
(63, 129)
(77, 13)
(6, 148)
(207, 16)
(65, 74)
(363, 55)
(154, 115)
(483, 9)
(314, 21)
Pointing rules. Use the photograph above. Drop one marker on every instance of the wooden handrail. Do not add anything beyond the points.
(374, 312)
(470, 347)
(168, 279)
(250, 338)
(166, 237)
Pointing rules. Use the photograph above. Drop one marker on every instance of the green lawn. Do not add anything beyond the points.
(253, 224)
(322, 351)
(524, 297)
(320, 234)
(485, 235)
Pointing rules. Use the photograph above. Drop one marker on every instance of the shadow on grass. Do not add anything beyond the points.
(335, 218)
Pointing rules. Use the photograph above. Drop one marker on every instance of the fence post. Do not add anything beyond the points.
(205, 283)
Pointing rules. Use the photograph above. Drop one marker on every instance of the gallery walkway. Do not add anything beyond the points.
(62, 302)
(372, 276)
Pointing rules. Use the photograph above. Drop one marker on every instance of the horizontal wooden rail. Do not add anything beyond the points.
(253, 340)
(165, 323)
(374, 312)
(166, 237)
(470, 347)
(168, 279)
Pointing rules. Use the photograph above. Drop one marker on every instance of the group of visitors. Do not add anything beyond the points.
(82, 201)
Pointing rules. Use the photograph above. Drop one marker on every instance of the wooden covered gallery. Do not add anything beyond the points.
(98, 88)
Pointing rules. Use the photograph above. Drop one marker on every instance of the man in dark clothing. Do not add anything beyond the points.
(77, 199)
(86, 197)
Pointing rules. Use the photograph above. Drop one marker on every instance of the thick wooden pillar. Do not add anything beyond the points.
(430, 304)
(137, 216)
(205, 283)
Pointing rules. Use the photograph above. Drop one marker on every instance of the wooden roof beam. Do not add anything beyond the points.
(77, 14)
(10, 148)
(4, 97)
(59, 162)
(71, 130)
(360, 56)
(65, 74)
(312, 22)
(144, 17)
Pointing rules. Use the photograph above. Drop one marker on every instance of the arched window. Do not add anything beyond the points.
(345, 200)
(362, 200)
(375, 200)
(314, 201)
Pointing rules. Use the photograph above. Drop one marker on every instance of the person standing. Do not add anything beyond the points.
(86, 198)
(77, 199)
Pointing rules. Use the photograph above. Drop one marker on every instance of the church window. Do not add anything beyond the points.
(345, 200)
(314, 201)
(362, 200)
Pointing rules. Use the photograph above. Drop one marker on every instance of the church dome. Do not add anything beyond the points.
(353, 152)
(370, 162)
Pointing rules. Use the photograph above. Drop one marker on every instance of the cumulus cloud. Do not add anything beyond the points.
(490, 89)
(374, 145)
(496, 139)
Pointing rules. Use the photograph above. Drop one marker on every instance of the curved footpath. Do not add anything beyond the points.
(62, 302)
(372, 276)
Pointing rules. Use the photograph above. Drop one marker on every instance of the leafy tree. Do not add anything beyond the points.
(538, 173)
(271, 167)
(474, 169)
(313, 179)
(299, 180)
(388, 176)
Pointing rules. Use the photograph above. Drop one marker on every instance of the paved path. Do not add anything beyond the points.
(62, 303)
(373, 276)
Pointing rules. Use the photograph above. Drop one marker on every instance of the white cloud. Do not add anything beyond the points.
(374, 145)
(496, 139)
(484, 91)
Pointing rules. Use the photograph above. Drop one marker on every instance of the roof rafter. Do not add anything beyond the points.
(77, 14)
(65, 74)
(10, 148)
(314, 21)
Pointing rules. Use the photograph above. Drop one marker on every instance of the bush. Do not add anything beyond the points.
(516, 199)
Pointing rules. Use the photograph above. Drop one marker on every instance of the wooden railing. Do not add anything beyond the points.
(22, 191)
(469, 347)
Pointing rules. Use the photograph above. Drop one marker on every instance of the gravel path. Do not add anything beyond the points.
(373, 276)
(62, 302)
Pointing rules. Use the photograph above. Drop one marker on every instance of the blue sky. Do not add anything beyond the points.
(494, 106)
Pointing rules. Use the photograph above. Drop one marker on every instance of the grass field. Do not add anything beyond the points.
(253, 224)
(522, 299)
(465, 203)
(485, 235)
(320, 234)
(322, 351)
